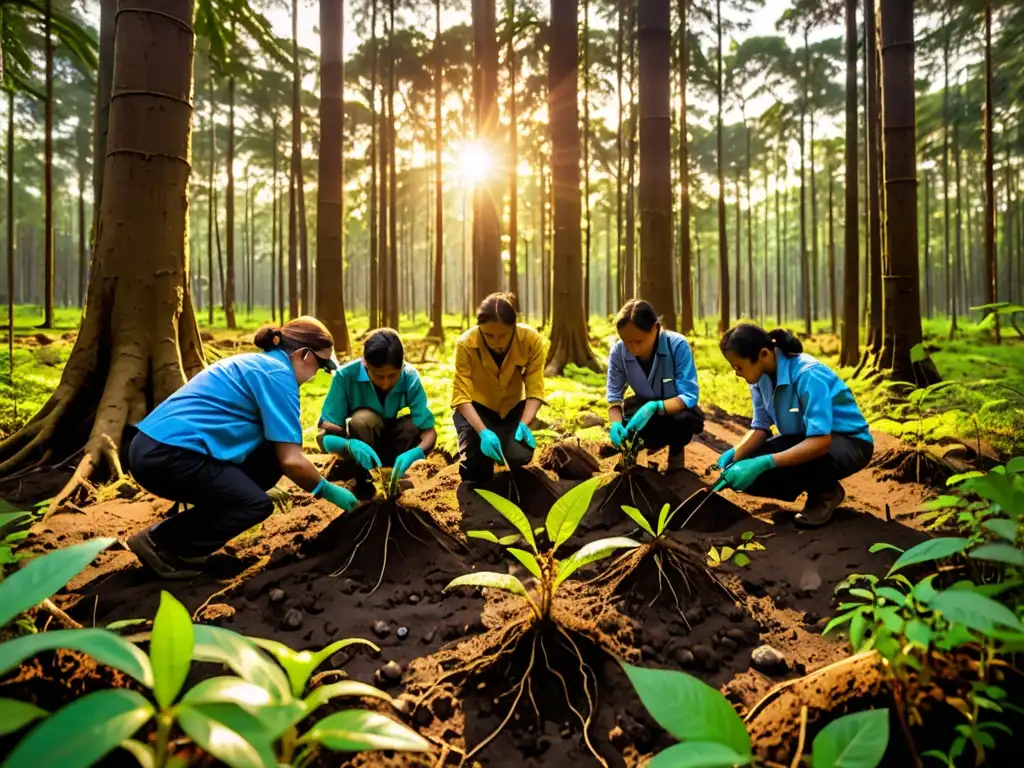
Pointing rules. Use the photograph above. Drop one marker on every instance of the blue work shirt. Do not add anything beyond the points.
(673, 373)
(808, 399)
(230, 407)
(352, 389)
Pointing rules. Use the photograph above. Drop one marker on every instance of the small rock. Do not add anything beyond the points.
(402, 706)
(381, 629)
(736, 634)
(276, 596)
(810, 580)
(402, 632)
(292, 619)
(442, 708)
(694, 615)
(703, 652)
(684, 657)
(764, 658)
(414, 598)
(429, 636)
(330, 629)
(729, 644)
(340, 659)
(348, 586)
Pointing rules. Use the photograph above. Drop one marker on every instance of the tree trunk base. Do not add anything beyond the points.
(569, 347)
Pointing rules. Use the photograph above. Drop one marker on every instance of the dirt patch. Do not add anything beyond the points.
(906, 465)
(568, 461)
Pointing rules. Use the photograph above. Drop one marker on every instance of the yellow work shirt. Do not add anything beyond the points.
(478, 378)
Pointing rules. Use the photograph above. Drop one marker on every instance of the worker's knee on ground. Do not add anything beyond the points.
(261, 509)
(365, 425)
(517, 454)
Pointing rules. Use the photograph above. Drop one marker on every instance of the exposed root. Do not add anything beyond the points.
(359, 541)
(384, 562)
(58, 615)
(591, 702)
(801, 739)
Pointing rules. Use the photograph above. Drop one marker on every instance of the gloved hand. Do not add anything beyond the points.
(727, 458)
(338, 496)
(618, 433)
(334, 444)
(363, 454)
(742, 474)
(490, 445)
(525, 436)
(644, 415)
(406, 460)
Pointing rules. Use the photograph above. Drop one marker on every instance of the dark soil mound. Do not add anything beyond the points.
(569, 461)
(906, 465)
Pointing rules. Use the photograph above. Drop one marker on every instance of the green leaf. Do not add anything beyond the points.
(228, 690)
(81, 733)
(222, 646)
(43, 576)
(687, 708)
(1015, 465)
(320, 696)
(568, 510)
(858, 627)
(918, 632)
(637, 517)
(892, 595)
(170, 649)
(300, 665)
(663, 518)
(105, 647)
(15, 715)
(512, 538)
(853, 741)
(941, 502)
(927, 551)
(490, 579)
(527, 559)
(223, 741)
(591, 553)
(974, 611)
(356, 730)
(882, 547)
(125, 624)
(741, 560)
(923, 592)
(144, 754)
(999, 553)
(699, 754)
(959, 478)
(513, 514)
(1002, 527)
(838, 621)
(483, 536)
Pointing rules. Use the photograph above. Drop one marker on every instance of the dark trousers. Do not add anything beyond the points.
(388, 437)
(227, 499)
(672, 429)
(473, 465)
(845, 456)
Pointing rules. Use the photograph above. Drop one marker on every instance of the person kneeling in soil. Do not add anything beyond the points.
(360, 419)
(498, 389)
(225, 438)
(658, 367)
(822, 438)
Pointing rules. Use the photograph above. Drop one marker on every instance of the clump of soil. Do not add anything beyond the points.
(569, 461)
(907, 465)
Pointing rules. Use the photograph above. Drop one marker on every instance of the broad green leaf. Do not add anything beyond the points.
(512, 538)
(974, 611)
(741, 560)
(699, 754)
(999, 553)
(1015, 465)
(916, 631)
(591, 553)
(892, 595)
(105, 647)
(924, 592)
(300, 665)
(637, 517)
(356, 730)
(81, 733)
(998, 487)
(45, 575)
(527, 559)
(144, 754)
(941, 502)
(566, 513)
(927, 551)
(663, 518)
(687, 708)
(1001, 527)
(957, 479)
(223, 741)
(170, 649)
(882, 547)
(513, 514)
(853, 741)
(228, 690)
(490, 579)
(858, 627)
(241, 656)
(320, 696)
(483, 536)
(838, 621)
(15, 715)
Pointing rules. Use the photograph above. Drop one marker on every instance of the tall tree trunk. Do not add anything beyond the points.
(849, 350)
(544, 296)
(487, 268)
(371, 225)
(383, 235)
(229, 209)
(738, 293)
(620, 165)
(779, 180)
(831, 251)
(991, 293)
(874, 338)
(750, 233)
(608, 263)
(901, 320)
(805, 282)
(946, 119)
(275, 275)
(104, 79)
(138, 338)
(513, 169)
(394, 308)
(927, 247)
(48, 254)
(211, 197)
(959, 254)
(656, 158)
(10, 240)
(723, 244)
(765, 284)
(280, 254)
(587, 223)
(685, 280)
(83, 248)
(303, 231)
(436, 320)
(569, 342)
(330, 210)
(629, 284)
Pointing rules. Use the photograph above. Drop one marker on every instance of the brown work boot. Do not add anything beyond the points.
(163, 564)
(819, 507)
(676, 461)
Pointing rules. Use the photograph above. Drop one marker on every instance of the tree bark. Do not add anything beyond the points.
(750, 232)
(275, 273)
(330, 213)
(569, 342)
(927, 246)
(487, 268)
(949, 255)
(371, 224)
(48, 248)
(850, 348)
(656, 158)
(805, 283)
(629, 282)
(10, 241)
(211, 196)
(723, 244)
(83, 247)
(138, 339)
(685, 280)
(296, 162)
(436, 315)
(831, 251)
(620, 165)
(394, 306)
(991, 271)
(513, 170)
(874, 337)
(586, 160)
(104, 79)
(229, 209)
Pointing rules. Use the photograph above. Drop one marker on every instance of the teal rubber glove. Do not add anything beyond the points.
(618, 433)
(742, 474)
(490, 445)
(644, 415)
(334, 444)
(406, 460)
(338, 496)
(525, 436)
(363, 454)
(727, 458)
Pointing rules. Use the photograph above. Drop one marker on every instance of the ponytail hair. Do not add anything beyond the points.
(747, 340)
(302, 332)
(498, 308)
(638, 312)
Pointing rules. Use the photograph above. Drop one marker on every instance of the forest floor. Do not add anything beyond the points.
(309, 575)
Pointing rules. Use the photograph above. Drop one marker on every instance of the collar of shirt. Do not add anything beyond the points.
(783, 378)
(515, 357)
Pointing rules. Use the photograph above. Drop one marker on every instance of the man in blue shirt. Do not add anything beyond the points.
(822, 438)
(657, 365)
